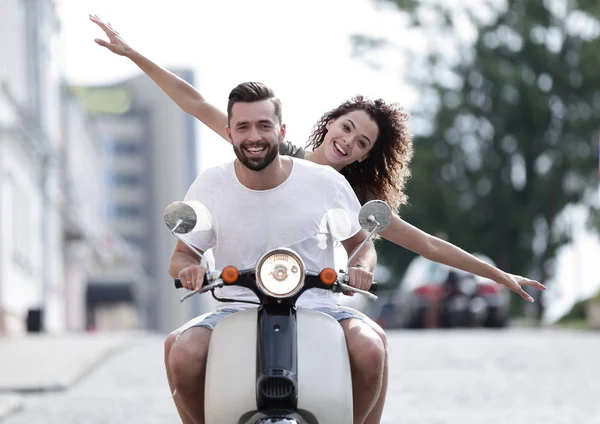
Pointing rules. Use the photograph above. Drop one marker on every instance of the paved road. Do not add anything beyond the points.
(516, 376)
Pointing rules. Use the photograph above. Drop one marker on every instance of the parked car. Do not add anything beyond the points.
(434, 295)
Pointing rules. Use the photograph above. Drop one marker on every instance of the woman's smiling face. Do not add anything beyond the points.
(349, 138)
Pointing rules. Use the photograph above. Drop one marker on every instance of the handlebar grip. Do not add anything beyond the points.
(178, 284)
(374, 288)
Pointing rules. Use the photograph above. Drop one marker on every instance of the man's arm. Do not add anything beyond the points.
(367, 256)
(363, 263)
(185, 265)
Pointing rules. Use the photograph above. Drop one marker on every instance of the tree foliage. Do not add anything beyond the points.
(507, 126)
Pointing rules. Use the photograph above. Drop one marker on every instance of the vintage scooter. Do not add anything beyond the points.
(277, 363)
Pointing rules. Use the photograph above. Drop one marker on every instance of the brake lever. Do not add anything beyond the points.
(359, 291)
(208, 287)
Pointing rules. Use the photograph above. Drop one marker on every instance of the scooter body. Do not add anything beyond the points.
(243, 387)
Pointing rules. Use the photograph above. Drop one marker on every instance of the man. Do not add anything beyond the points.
(256, 203)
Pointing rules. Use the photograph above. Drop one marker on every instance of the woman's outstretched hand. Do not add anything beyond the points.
(116, 44)
(516, 284)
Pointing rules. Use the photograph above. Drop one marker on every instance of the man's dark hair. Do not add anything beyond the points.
(249, 92)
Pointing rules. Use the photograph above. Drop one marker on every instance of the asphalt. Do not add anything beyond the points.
(48, 363)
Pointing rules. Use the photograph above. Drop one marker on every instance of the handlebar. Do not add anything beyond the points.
(374, 289)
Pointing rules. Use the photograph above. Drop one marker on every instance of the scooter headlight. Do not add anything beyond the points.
(280, 273)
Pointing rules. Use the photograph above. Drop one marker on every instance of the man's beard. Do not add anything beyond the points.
(257, 163)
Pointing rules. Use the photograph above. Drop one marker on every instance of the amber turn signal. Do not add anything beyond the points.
(328, 276)
(229, 275)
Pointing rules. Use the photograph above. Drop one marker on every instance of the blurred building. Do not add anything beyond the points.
(102, 271)
(81, 186)
(85, 175)
(55, 240)
(150, 161)
(31, 271)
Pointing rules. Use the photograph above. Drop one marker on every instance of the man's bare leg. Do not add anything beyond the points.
(187, 367)
(376, 413)
(168, 344)
(367, 358)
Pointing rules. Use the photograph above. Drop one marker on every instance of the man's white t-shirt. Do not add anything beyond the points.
(311, 211)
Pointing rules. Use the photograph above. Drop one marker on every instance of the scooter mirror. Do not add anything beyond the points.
(180, 217)
(375, 214)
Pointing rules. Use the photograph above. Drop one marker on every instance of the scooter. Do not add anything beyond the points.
(277, 363)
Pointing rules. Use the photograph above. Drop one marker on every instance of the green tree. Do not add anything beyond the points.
(507, 129)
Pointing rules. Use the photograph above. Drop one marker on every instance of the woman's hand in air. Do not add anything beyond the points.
(116, 44)
(516, 284)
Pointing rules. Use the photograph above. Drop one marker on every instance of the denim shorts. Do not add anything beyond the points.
(210, 320)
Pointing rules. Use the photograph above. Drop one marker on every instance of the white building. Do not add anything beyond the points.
(53, 235)
(30, 223)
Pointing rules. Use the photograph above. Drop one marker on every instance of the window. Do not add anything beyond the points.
(128, 211)
(127, 180)
(126, 148)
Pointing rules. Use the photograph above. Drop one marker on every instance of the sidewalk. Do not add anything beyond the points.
(9, 404)
(33, 363)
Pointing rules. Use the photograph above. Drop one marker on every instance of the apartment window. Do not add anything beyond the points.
(126, 179)
(123, 148)
(128, 211)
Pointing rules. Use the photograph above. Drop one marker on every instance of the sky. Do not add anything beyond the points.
(300, 49)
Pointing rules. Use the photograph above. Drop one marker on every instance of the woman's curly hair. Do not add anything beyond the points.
(383, 174)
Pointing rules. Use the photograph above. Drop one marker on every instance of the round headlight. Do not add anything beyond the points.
(280, 273)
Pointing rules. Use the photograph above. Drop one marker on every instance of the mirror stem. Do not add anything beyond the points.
(364, 241)
(196, 251)
(179, 222)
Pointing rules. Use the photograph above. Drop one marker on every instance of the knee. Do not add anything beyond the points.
(367, 354)
(187, 360)
(381, 334)
(372, 352)
(168, 345)
(379, 331)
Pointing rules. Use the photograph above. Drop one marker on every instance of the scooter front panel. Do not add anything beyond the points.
(230, 388)
(324, 378)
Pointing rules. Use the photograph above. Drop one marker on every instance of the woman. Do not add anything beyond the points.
(367, 141)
